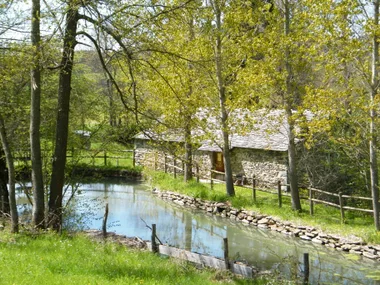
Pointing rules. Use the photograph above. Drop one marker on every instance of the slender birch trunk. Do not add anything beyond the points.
(222, 100)
(373, 136)
(4, 194)
(288, 102)
(38, 216)
(11, 176)
(188, 171)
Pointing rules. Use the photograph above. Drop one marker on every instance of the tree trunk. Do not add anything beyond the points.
(38, 218)
(64, 91)
(188, 171)
(373, 136)
(4, 195)
(289, 98)
(222, 102)
(11, 176)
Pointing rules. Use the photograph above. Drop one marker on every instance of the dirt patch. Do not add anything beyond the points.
(133, 242)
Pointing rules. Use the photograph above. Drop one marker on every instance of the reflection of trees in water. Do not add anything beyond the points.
(188, 221)
(195, 231)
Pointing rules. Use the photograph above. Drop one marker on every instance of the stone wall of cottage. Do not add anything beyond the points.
(268, 166)
(204, 160)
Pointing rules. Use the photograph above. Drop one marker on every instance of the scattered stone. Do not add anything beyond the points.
(370, 255)
(297, 232)
(263, 221)
(305, 237)
(317, 240)
(262, 226)
(356, 252)
(179, 202)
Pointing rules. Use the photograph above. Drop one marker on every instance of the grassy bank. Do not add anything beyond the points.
(53, 259)
(325, 218)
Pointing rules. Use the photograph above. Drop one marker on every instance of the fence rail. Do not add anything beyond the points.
(85, 154)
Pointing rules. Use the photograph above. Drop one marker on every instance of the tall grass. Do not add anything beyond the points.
(53, 259)
(325, 218)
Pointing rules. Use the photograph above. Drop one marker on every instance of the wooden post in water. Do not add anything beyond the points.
(341, 207)
(226, 259)
(306, 268)
(254, 188)
(153, 239)
(105, 222)
(311, 201)
(279, 193)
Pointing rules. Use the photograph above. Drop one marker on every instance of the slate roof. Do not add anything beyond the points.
(264, 130)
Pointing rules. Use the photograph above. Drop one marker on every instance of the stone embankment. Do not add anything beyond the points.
(352, 245)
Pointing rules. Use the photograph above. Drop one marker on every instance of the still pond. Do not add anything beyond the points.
(132, 207)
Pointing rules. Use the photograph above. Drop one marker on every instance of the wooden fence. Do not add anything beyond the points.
(103, 155)
(176, 166)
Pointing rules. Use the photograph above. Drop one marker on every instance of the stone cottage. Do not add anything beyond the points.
(258, 146)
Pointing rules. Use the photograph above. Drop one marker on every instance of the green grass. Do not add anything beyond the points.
(96, 158)
(325, 218)
(52, 259)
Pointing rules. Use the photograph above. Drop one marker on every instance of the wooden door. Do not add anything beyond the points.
(218, 161)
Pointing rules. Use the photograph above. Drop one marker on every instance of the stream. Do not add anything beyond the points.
(132, 207)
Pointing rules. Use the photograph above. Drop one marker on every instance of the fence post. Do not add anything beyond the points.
(155, 161)
(211, 181)
(104, 228)
(279, 193)
(226, 259)
(306, 268)
(133, 157)
(175, 168)
(254, 188)
(165, 164)
(105, 158)
(197, 170)
(311, 201)
(153, 239)
(341, 207)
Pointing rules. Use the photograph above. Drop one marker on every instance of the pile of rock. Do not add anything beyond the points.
(352, 245)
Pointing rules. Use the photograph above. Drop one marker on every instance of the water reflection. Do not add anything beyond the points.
(132, 208)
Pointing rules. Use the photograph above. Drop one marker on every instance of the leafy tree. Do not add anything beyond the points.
(13, 83)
